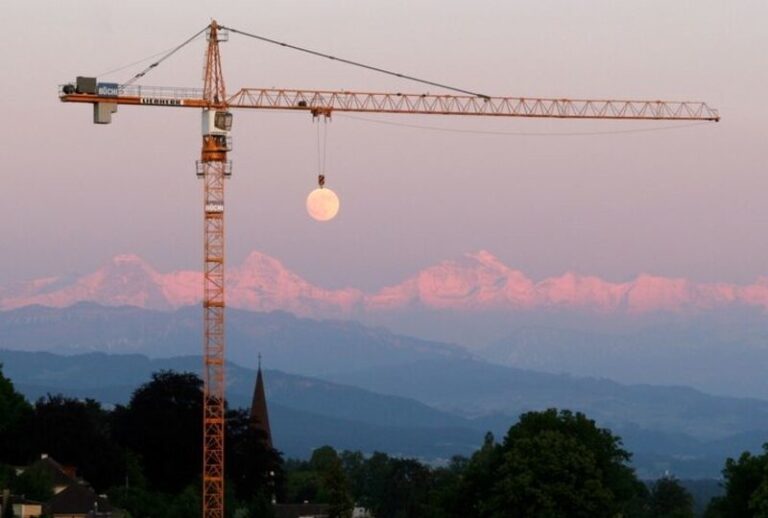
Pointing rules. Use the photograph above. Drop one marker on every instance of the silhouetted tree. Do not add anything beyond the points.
(77, 433)
(34, 483)
(140, 502)
(408, 487)
(8, 512)
(7, 476)
(321, 480)
(16, 417)
(479, 477)
(353, 464)
(301, 483)
(163, 425)
(374, 481)
(669, 499)
(447, 499)
(553, 464)
(334, 487)
(186, 504)
(253, 467)
(390, 487)
(746, 487)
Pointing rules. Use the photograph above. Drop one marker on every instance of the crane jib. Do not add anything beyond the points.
(89, 90)
(425, 104)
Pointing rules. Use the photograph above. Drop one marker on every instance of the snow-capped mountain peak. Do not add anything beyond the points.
(477, 281)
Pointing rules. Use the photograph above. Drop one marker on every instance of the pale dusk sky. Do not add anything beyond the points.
(687, 202)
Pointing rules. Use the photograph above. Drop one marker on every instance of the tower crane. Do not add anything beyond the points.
(213, 168)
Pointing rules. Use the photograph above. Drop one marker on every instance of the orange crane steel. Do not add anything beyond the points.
(213, 167)
(217, 123)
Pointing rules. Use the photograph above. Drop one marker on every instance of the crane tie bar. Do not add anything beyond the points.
(355, 63)
(166, 56)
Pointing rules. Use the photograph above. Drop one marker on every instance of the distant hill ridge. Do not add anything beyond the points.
(301, 345)
(306, 412)
(433, 408)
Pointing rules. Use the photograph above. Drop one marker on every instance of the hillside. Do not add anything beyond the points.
(299, 345)
(665, 427)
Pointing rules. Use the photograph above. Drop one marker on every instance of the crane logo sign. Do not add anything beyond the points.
(108, 89)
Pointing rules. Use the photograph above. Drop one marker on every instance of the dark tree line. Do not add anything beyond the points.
(746, 487)
(550, 464)
(146, 455)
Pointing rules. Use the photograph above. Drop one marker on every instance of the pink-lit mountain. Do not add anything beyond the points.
(477, 282)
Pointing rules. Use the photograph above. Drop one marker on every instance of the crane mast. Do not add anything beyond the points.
(214, 168)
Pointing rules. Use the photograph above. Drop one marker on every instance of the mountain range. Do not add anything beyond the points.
(477, 282)
(648, 330)
(722, 352)
(711, 337)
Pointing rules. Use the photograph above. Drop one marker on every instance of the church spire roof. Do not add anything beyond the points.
(259, 414)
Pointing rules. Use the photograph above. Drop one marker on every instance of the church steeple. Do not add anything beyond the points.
(259, 414)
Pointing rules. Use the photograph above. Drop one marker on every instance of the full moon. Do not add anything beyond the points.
(323, 204)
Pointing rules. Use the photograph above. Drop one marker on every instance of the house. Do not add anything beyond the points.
(72, 496)
(301, 510)
(23, 508)
(61, 476)
(78, 501)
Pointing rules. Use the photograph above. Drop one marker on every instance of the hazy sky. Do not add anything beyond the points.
(683, 202)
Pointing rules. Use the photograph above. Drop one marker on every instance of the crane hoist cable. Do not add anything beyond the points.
(322, 148)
